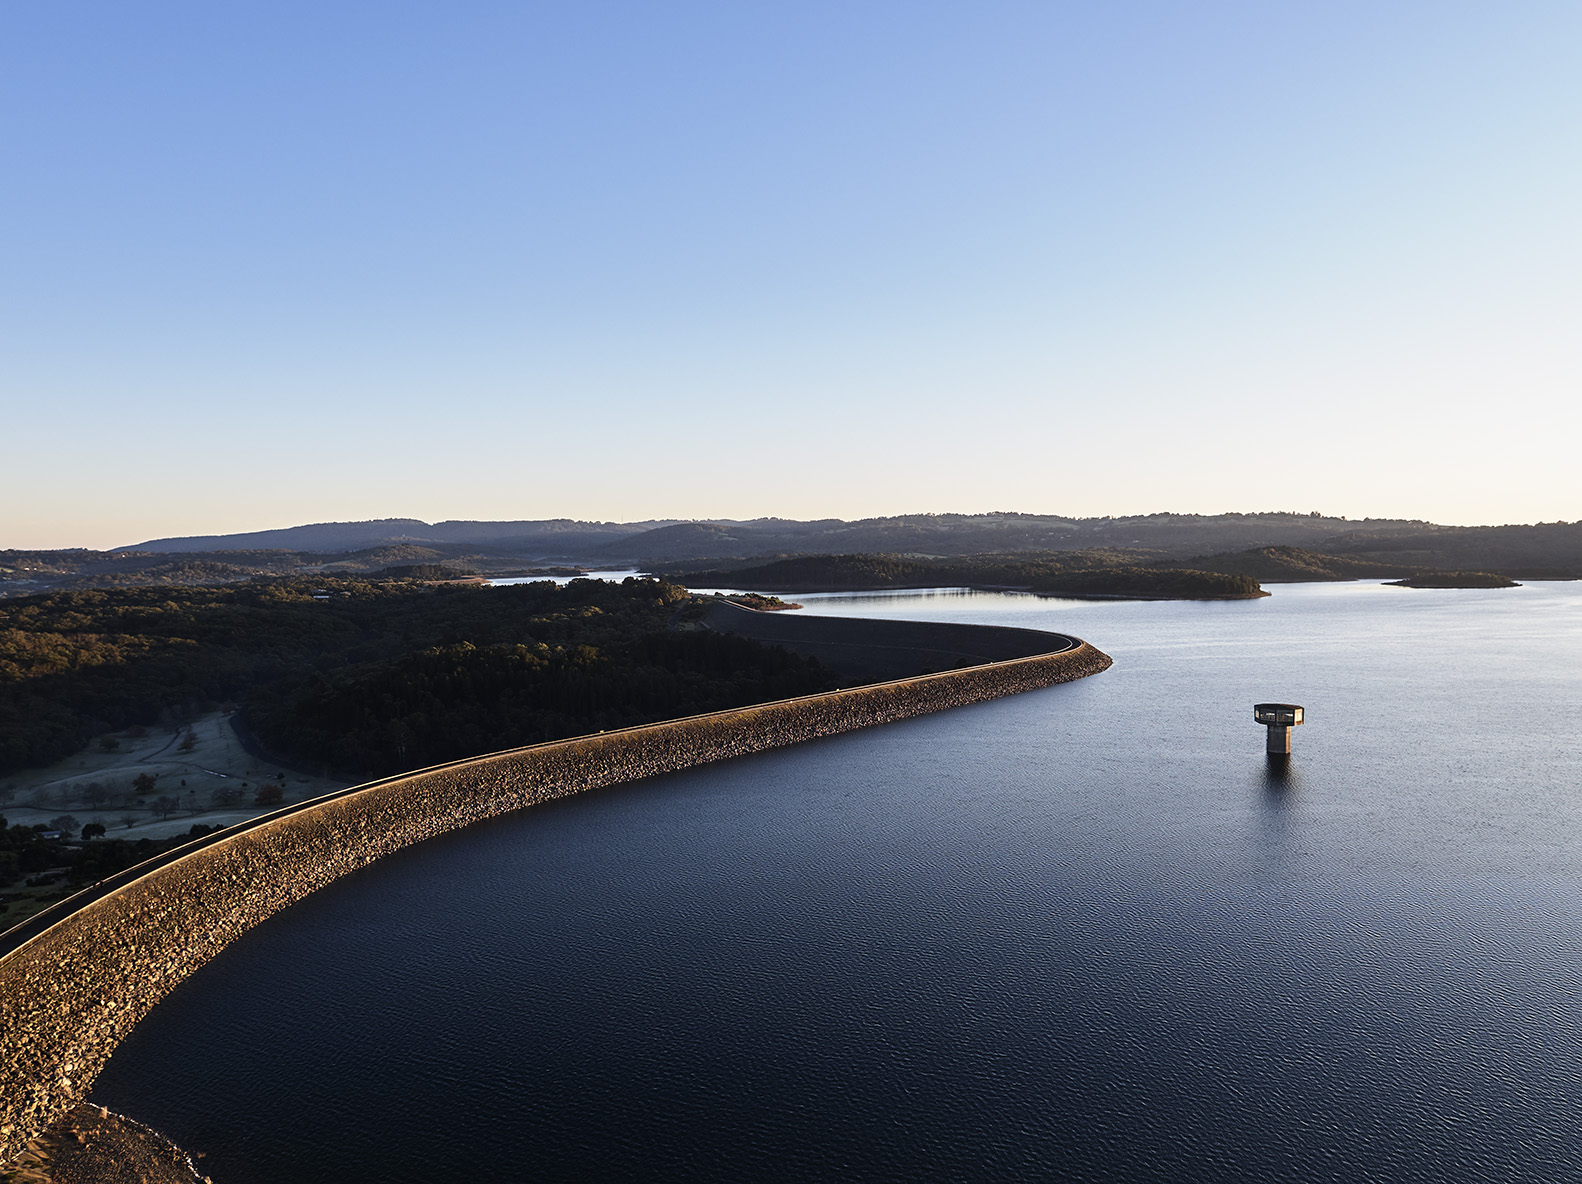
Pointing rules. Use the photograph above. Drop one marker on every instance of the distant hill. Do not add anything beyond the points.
(1547, 549)
(926, 535)
(1273, 547)
(945, 535)
(556, 535)
(1118, 571)
(683, 540)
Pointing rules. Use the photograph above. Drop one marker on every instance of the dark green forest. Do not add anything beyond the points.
(1167, 582)
(1077, 573)
(24, 852)
(1456, 579)
(361, 677)
(834, 572)
(458, 700)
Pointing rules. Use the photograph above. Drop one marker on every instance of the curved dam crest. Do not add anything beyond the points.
(72, 992)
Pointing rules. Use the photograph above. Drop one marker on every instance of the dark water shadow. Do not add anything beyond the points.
(1281, 779)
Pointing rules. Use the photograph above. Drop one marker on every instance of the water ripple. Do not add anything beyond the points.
(1080, 934)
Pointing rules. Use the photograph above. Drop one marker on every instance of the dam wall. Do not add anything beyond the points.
(71, 993)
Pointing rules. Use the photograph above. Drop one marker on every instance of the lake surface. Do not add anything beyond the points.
(1082, 933)
(613, 576)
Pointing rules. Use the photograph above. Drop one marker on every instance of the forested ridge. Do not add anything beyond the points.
(1094, 572)
(1264, 545)
(369, 677)
(1183, 583)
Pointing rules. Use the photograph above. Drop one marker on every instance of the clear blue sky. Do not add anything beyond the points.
(267, 263)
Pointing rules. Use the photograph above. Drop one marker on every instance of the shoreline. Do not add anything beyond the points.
(843, 589)
(92, 1144)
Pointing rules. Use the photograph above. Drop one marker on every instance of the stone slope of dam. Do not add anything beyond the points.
(74, 989)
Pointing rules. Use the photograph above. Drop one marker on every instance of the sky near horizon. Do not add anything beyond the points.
(264, 264)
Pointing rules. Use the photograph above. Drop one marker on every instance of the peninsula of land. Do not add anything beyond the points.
(1455, 579)
(1073, 574)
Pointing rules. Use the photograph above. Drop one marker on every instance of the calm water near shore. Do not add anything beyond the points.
(1082, 933)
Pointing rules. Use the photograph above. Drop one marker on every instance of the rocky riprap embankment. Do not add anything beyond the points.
(72, 993)
(92, 1145)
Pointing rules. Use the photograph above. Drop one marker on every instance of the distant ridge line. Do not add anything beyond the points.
(377, 531)
(1144, 538)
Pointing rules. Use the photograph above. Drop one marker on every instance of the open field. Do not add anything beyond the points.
(217, 763)
(216, 782)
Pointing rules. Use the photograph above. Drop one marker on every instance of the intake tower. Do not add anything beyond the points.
(1279, 718)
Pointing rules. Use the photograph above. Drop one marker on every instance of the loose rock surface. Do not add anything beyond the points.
(92, 1145)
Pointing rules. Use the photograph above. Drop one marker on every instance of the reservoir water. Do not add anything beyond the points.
(1082, 933)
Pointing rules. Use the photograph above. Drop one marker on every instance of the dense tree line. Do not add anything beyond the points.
(810, 572)
(1168, 582)
(1091, 572)
(1294, 564)
(1457, 579)
(364, 676)
(428, 571)
(459, 700)
(31, 572)
(25, 852)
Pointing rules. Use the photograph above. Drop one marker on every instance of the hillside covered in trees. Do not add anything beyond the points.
(1071, 573)
(1175, 538)
(369, 677)
(1290, 565)
(1456, 579)
(1271, 546)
